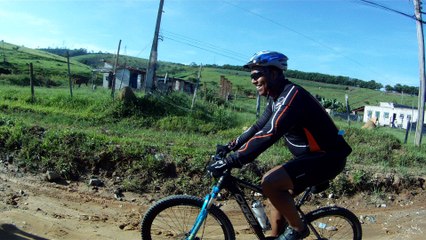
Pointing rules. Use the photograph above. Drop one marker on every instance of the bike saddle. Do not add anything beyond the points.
(320, 187)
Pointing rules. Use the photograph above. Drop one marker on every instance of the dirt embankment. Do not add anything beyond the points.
(32, 208)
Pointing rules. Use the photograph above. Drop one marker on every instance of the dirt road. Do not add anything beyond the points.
(31, 208)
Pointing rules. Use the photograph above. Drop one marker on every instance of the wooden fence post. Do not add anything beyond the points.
(69, 71)
(407, 131)
(32, 82)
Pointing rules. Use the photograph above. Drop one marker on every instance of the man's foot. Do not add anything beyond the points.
(291, 234)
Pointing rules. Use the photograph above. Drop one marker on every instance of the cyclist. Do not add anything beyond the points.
(319, 151)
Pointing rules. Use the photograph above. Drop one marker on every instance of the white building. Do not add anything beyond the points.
(391, 114)
(123, 77)
(134, 78)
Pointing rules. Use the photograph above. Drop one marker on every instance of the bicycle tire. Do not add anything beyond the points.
(174, 216)
(333, 223)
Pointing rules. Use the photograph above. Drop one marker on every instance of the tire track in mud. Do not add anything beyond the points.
(38, 209)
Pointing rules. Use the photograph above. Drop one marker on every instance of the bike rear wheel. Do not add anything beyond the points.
(174, 216)
(333, 223)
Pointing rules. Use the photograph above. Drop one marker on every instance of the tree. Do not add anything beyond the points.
(388, 88)
(397, 88)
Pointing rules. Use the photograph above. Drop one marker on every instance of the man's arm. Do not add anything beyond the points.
(279, 122)
(249, 133)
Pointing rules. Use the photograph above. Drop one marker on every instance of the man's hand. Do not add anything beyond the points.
(218, 166)
(222, 150)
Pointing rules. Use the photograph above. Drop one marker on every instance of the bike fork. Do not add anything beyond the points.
(208, 201)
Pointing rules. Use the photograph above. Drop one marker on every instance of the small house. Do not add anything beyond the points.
(124, 76)
(169, 84)
(135, 78)
(391, 114)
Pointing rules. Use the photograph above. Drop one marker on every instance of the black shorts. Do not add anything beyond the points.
(314, 168)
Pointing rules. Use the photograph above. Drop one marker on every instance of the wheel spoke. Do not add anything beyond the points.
(173, 218)
(334, 223)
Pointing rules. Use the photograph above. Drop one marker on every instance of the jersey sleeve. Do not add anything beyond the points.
(283, 115)
(249, 133)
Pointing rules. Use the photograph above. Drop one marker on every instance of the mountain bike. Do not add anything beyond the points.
(190, 217)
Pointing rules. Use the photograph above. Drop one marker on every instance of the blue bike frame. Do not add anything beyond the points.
(208, 201)
(232, 185)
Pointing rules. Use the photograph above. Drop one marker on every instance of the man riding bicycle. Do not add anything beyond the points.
(311, 136)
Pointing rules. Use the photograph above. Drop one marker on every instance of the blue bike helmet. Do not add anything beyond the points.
(268, 58)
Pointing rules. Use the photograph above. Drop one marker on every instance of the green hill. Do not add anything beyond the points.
(242, 86)
(51, 70)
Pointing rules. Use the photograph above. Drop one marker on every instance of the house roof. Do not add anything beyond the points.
(359, 109)
(401, 106)
(393, 105)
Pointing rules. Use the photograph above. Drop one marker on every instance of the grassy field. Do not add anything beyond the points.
(45, 64)
(158, 138)
(153, 141)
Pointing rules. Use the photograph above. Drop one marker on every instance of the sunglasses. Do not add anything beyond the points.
(256, 75)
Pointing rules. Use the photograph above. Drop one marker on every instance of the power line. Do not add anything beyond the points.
(202, 48)
(207, 46)
(373, 4)
(141, 51)
(279, 24)
(241, 57)
(301, 34)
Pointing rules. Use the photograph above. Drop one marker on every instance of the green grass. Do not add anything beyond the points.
(42, 61)
(160, 139)
(48, 66)
(92, 133)
(243, 88)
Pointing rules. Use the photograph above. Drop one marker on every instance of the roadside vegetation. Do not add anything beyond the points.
(159, 143)
(154, 141)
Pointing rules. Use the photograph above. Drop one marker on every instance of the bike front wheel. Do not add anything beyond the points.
(174, 216)
(333, 223)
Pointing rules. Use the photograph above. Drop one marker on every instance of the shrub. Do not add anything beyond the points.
(16, 79)
(372, 146)
(24, 80)
(177, 123)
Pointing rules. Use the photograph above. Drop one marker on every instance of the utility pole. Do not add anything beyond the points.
(69, 72)
(196, 86)
(115, 70)
(4, 54)
(152, 66)
(421, 100)
(348, 110)
(32, 82)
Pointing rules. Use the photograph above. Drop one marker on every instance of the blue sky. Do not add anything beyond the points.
(337, 37)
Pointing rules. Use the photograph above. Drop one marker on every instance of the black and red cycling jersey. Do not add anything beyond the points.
(294, 115)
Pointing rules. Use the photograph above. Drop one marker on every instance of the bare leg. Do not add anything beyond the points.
(276, 184)
(277, 222)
